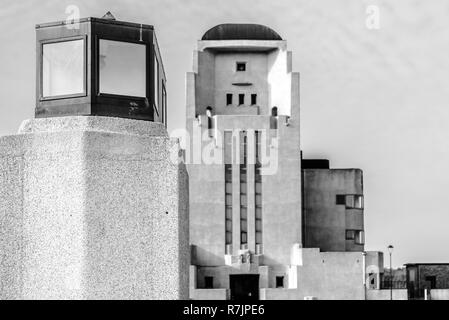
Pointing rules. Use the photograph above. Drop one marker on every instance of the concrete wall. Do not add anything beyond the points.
(325, 221)
(439, 294)
(398, 294)
(101, 212)
(210, 294)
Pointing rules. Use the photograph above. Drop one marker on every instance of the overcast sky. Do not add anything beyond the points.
(375, 99)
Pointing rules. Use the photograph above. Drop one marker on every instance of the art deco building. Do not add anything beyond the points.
(261, 226)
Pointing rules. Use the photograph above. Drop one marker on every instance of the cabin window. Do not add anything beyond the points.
(122, 68)
(63, 68)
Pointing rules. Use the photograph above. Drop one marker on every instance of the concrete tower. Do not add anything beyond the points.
(91, 207)
(243, 100)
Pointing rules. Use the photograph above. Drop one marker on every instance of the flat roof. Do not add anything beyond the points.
(98, 20)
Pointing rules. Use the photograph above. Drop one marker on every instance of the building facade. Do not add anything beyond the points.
(261, 227)
(332, 207)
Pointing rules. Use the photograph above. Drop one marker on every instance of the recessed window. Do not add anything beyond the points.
(253, 99)
(122, 68)
(63, 71)
(357, 235)
(351, 201)
(243, 237)
(241, 66)
(354, 201)
(341, 199)
(209, 282)
(229, 99)
(279, 282)
(350, 234)
(241, 99)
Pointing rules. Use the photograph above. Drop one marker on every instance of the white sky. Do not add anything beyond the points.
(373, 99)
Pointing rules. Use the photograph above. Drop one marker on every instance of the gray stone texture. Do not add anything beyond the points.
(92, 208)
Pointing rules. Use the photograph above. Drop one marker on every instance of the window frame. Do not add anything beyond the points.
(97, 71)
(41, 67)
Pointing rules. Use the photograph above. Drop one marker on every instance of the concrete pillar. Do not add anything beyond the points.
(92, 208)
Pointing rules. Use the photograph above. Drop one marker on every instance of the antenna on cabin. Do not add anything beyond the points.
(108, 16)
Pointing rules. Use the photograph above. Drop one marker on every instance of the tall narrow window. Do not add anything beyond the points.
(229, 99)
(164, 105)
(258, 193)
(228, 190)
(253, 99)
(241, 99)
(156, 83)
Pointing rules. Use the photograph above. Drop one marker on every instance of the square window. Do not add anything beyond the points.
(208, 282)
(241, 66)
(241, 98)
(341, 199)
(253, 99)
(279, 282)
(229, 99)
(63, 71)
(122, 68)
(350, 234)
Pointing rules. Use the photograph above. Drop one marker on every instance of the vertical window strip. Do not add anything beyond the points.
(243, 189)
(258, 192)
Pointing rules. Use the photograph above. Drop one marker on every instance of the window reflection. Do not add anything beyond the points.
(63, 68)
(122, 68)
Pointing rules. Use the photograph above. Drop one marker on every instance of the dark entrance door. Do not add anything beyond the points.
(244, 286)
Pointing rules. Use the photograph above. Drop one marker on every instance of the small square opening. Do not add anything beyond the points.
(241, 66)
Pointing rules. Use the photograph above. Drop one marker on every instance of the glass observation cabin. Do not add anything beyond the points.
(99, 67)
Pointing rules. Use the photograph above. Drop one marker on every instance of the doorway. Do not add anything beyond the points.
(244, 286)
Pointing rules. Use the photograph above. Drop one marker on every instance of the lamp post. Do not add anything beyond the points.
(390, 251)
